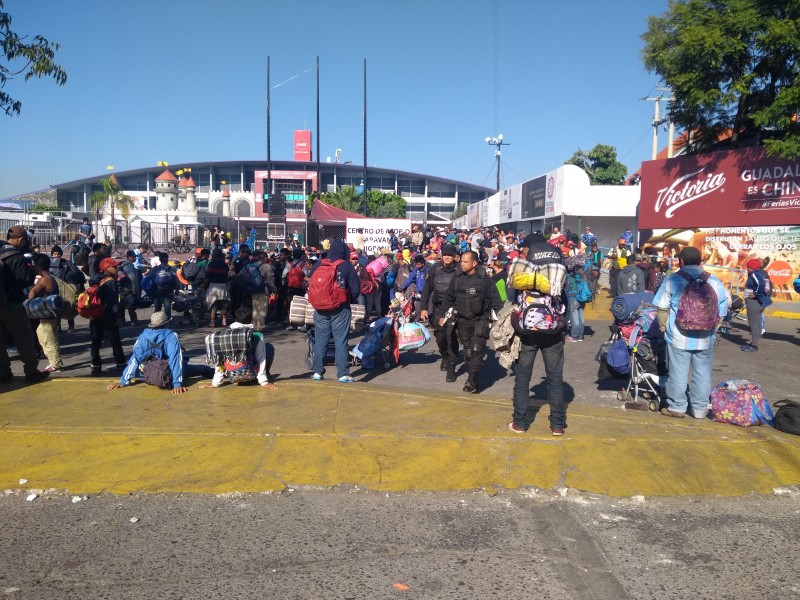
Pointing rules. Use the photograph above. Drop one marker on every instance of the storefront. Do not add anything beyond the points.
(732, 206)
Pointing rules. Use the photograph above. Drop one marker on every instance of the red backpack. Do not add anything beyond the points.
(324, 290)
(89, 305)
(295, 277)
(698, 306)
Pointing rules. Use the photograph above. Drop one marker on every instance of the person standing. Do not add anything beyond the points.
(47, 330)
(576, 306)
(333, 286)
(588, 238)
(14, 323)
(688, 347)
(433, 294)
(619, 261)
(757, 297)
(627, 235)
(106, 323)
(473, 295)
(85, 233)
(131, 286)
(543, 256)
(631, 280)
(165, 283)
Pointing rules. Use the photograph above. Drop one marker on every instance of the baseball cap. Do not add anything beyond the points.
(353, 255)
(105, 263)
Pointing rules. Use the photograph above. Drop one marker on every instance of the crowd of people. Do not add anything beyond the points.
(525, 291)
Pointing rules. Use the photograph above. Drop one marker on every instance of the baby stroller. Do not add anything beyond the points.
(636, 351)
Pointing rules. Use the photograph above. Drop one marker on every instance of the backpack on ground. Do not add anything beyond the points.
(740, 402)
(164, 279)
(250, 279)
(326, 291)
(296, 277)
(787, 417)
(698, 307)
(89, 305)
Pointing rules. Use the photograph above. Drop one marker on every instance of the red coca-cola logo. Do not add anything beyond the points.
(780, 272)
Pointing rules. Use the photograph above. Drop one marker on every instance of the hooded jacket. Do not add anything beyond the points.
(18, 274)
(631, 280)
(340, 251)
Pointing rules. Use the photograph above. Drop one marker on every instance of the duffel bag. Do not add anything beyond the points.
(740, 402)
(411, 336)
(787, 417)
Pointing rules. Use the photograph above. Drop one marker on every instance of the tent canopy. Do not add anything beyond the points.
(324, 214)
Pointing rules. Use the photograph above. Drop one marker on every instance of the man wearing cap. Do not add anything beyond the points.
(619, 261)
(433, 294)
(757, 297)
(14, 323)
(108, 292)
(157, 342)
(687, 349)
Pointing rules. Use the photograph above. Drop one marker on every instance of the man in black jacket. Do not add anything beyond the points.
(107, 322)
(474, 296)
(17, 275)
(537, 251)
(432, 300)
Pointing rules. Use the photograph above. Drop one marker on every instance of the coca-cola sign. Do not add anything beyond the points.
(720, 189)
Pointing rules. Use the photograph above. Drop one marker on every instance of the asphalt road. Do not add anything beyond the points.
(351, 544)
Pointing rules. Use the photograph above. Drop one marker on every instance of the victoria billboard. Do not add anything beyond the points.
(732, 206)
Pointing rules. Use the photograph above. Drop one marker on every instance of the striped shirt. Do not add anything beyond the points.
(669, 296)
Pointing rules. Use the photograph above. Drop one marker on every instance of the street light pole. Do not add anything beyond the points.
(497, 141)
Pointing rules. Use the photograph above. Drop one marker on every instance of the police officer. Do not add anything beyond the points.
(474, 296)
(433, 294)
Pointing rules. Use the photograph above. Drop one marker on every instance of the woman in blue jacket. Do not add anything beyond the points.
(757, 297)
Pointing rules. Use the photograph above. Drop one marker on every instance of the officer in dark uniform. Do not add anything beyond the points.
(474, 295)
(432, 300)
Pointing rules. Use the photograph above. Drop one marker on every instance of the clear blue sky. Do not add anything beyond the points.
(185, 80)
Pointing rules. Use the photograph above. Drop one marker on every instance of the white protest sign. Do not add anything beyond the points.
(375, 231)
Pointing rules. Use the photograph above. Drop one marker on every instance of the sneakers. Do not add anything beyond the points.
(304, 328)
(669, 413)
(291, 328)
(37, 376)
(451, 376)
(317, 377)
(345, 379)
(470, 388)
(557, 431)
(515, 428)
(569, 338)
(748, 348)
(52, 369)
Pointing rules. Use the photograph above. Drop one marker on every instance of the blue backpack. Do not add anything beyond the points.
(583, 293)
(250, 279)
(163, 278)
(618, 357)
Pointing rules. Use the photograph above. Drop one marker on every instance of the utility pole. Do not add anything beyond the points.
(658, 121)
(497, 142)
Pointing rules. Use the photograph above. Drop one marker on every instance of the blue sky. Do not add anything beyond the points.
(185, 80)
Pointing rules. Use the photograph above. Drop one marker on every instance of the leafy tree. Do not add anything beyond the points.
(346, 198)
(312, 197)
(385, 205)
(111, 197)
(460, 211)
(43, 207)
(734, 69)
(600, 164)
(34, 59)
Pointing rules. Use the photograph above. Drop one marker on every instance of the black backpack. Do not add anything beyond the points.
(787, 417)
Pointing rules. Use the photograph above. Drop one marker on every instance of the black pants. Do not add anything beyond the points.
(98, 328)
(447, 340)
(613, 275)
(473, 334)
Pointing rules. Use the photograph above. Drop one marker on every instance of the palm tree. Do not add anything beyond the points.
(113, 197)
(346, 198)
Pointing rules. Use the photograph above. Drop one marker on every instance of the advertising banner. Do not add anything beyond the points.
(375, 231)
(726, 250)
(533, 198)
(474, 215)
(493, 210)
(736, 188)
(302, 145)
(550, 196)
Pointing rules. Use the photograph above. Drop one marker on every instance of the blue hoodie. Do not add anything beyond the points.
(158, 343)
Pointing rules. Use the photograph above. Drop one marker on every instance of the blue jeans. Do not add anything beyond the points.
(701, 362)
(576, 318)
(334, 324)
(525, 407)
(164, 300)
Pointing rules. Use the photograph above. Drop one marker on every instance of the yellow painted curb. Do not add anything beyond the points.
(74, 434)
(783, 314)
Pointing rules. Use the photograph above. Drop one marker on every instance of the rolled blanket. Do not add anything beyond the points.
(231, 344)
(624, 307)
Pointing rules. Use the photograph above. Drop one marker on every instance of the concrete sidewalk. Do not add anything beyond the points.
(73, 434)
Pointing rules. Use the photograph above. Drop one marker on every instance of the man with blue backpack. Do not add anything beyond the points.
(164, 284)
(578, 294)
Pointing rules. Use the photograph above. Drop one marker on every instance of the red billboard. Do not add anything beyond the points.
(302, 145)
(736, 188)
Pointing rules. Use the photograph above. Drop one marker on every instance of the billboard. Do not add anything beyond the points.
(736, 188)
(302, 145)
(375, 231)
(533, 198)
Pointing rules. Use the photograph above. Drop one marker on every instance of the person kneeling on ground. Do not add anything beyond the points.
(158, 343)
(240, 354)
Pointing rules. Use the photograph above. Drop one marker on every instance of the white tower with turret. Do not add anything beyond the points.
(226, 203)
(166, 191)
(188, 187)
